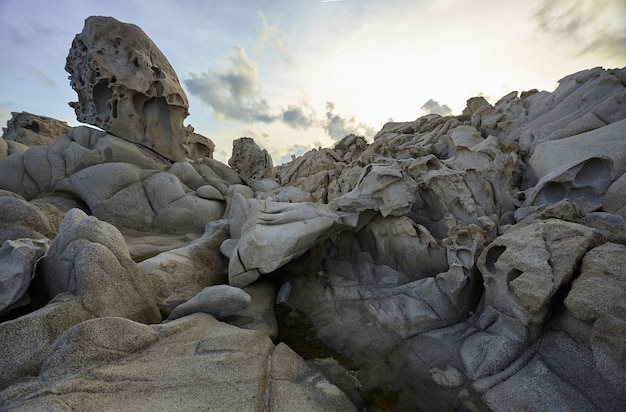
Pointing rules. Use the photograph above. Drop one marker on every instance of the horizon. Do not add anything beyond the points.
(299, 75)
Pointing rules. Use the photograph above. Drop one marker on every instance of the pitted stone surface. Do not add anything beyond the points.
(126, 86)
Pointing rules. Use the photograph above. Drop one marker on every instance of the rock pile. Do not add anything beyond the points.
(473, 262)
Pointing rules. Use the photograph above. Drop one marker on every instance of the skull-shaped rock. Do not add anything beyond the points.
(126, 86)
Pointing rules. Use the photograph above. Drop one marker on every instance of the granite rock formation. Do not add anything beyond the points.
(472, 262)
(126, 86)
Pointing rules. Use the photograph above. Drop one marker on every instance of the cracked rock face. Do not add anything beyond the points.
(126, 86)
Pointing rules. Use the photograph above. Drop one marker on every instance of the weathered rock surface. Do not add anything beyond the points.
(87, 273)
(126, 86)
(220, 301)
(471, 262)
(250, 161)
(32, 130)
(18, 259)
(192, 363)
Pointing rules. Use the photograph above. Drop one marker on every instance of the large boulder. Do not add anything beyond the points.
(274, 233)
(250, 161)
(192, 363)
(126, 86)
(18, 259)
(87, 273)
(33, 130)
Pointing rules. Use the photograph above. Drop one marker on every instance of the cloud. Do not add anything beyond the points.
(434, 107)
(270, 36)
(5, 114)
(299, 116)
(338, 126)
(592, 26)
(233, 89)
(42, 77)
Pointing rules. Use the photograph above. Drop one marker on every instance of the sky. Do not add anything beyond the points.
(300, 74)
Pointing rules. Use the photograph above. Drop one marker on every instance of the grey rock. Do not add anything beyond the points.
(607, 141)
(20, 219)
(614, 200)
(587, 179)
(143, 368)
(384, 188)
(179, 274)
(250, 161)
(127, 87)
(209, 192)
(18, 260)
(259, 314)
(33, 130)
(221, 301)
(87, 273)
(274, 233)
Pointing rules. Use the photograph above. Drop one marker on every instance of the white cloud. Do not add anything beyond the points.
(233, 89)
(338, 126)
(434, 107)
(596, 27)
(271, 37)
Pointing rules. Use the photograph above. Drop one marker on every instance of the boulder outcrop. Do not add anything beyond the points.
(126, 86)
(472, 262)
(33, 130)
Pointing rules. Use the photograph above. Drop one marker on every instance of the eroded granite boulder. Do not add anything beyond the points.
(250, 161)
(142, 367)
(18, 260)
(33, 130)
(126, 86)
(87, 273)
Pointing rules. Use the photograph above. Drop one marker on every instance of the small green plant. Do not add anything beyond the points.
(418, 153)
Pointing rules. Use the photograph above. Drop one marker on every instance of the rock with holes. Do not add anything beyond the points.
(607, 141)
(126, 86)
(586, 181)
(523, 271)
(33, 130)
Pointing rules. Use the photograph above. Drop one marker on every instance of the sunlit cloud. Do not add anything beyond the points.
(338, 126)
(299, 116)
(232, 90)
(592, 26)
(273, 38)
(434, 107)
